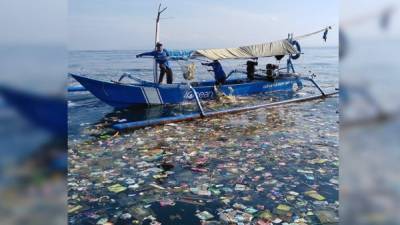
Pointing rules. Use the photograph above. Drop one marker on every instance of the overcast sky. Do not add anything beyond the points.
(130, 24)
(38, 22)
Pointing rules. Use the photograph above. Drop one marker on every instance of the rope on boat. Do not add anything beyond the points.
(314, 33)
(297, 45)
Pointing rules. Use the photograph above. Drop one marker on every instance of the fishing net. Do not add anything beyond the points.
(188, 70)
(221, 97)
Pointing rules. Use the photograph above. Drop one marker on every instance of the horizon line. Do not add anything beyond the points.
(130, 49)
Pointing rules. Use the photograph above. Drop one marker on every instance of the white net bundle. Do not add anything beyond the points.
(188, 70)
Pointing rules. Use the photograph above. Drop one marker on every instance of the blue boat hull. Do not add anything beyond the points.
(48, 112)
(124, 95)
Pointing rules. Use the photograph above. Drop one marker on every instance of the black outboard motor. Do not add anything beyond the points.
(272, 71)
(251, 69)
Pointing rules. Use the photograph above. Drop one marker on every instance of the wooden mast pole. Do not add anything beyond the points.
(157, 39)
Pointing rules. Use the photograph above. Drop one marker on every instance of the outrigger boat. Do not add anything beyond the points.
(141, 92)
(122, 95)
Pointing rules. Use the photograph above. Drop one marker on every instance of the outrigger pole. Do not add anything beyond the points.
(157, 39)
(202, 114)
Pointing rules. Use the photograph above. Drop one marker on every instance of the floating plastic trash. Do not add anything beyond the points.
(116, 188)
(204, 215)
(315, 195)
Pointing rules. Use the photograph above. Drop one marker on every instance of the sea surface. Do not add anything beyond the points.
(279, 164)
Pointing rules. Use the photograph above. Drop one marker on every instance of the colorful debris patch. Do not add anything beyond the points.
(275, 166)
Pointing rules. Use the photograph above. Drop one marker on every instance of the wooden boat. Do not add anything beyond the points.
(122, 95)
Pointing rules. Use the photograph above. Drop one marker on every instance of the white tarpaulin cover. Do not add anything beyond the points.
(282, 47)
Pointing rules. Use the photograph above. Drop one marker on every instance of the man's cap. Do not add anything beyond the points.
(158, 44)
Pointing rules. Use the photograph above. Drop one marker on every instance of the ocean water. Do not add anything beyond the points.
(253, 163)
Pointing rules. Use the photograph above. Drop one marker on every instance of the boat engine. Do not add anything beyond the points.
(251, 68)
(272, 71)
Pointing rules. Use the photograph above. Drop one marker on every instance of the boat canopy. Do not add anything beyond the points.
(282, 47)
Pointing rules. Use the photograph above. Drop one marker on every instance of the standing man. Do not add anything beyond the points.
(219, 73)
(161, 56)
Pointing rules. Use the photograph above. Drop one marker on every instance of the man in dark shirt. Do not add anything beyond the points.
(161, 56)
(219, 73)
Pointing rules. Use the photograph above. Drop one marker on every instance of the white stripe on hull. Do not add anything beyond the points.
(159, 95)
(144, 95)
(152, 95)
